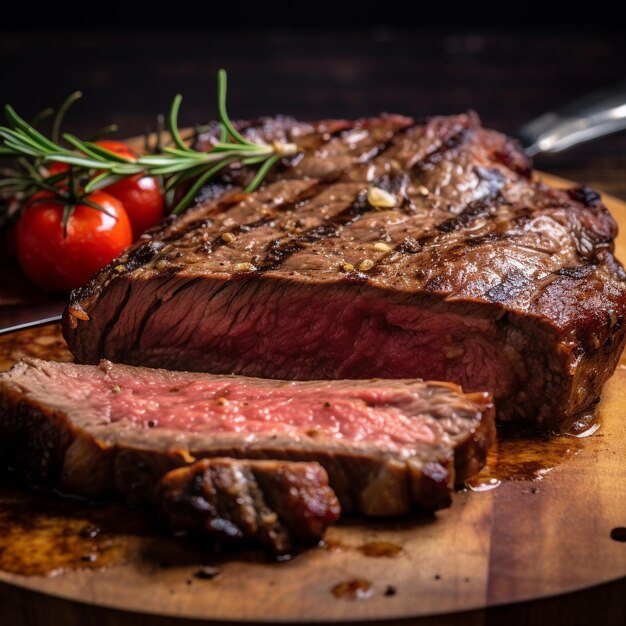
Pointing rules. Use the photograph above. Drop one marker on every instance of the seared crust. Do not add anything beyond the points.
(277, 504)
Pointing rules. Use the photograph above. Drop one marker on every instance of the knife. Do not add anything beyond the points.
(594, 115)
(20, 318)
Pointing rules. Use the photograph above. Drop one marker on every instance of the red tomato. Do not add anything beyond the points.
(55, 168)
(94, 238)
(142, 199)
(119, 147)
(139, 194)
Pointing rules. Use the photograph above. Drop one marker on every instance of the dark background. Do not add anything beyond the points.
(510, 62)
(131, 62)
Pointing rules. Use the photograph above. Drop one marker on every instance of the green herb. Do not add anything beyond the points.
(176, 163)
(29, 174)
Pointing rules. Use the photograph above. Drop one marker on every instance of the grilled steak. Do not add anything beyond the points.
(97, 431)
(388, 248)
(278, 504)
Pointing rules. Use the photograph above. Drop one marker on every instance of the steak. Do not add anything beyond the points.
(388, 447)
(388, 248)
(277, 504)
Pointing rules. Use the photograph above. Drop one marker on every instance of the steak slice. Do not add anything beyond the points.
(479, 274)
(387, 446)
(278, 504)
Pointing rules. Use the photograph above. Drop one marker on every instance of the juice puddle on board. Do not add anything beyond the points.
(523, 453)
(43, 534)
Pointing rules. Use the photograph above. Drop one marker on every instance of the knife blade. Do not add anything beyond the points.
(595, 115)
(20, 318)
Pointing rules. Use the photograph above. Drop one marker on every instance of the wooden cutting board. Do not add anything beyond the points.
(540, 520)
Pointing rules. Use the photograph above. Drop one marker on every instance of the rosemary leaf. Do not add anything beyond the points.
(195, 188)
(173, 120)
(67, 211)
(262, 173)
(102, 180)
(97, 207)
(27, 131)
(58, 118)
(223, 114)
(41, 116)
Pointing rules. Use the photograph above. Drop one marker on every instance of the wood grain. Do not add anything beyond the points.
(535, 536)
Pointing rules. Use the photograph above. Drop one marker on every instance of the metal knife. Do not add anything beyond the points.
(20, 318)
(595, 115)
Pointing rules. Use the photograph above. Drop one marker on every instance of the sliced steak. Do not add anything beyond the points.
(278, 504)
(387, 446)
(479, 275)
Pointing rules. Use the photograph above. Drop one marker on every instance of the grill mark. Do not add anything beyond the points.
(383, 146)
(205, 222)
(143, 255)
(447, 148)
(410, 245)
(512, 284)
(480, 207)
(108, 327)
(218, 242)
(311, 143)
(492, 177)
(579, 271)
(278, 251)
(374, 151)
(588, 197)
(477, 208)
(380, 148)
(474, 242)
(301, 200)
(395, 184)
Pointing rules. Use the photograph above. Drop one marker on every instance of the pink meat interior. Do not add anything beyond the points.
(352, 411)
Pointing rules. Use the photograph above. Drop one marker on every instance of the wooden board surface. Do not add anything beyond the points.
(540, 524)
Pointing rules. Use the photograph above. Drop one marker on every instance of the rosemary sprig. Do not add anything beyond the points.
(174, 164)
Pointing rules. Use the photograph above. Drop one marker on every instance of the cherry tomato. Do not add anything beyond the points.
(119, 147)
(55, 168)
(94, 238)
(139, 194)
(142, 199)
